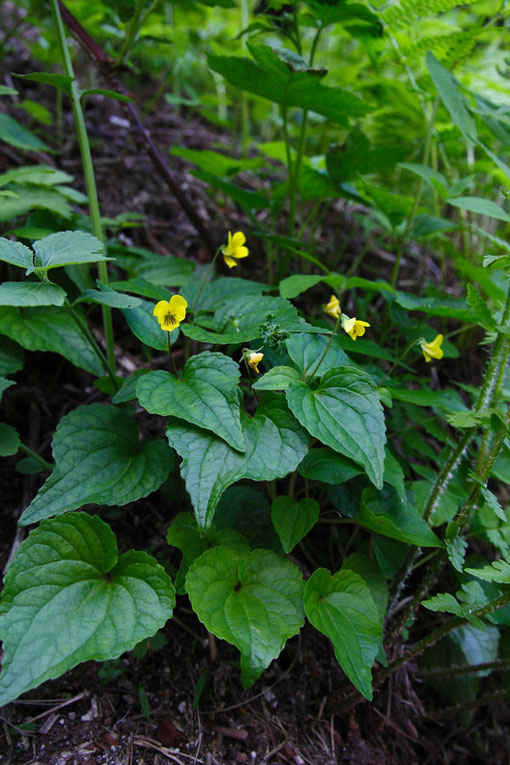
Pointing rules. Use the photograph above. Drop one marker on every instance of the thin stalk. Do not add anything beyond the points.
(245, 125)
(398, 361)
(132, 31)
(417, 198)
(314, 372)
(30, 452)
(419, 648)
(493, 377)
(205, 280)
(466, 669)
(88, 169)
(172, 360)
(92, 342)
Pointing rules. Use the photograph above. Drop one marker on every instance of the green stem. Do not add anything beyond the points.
(92, 342)
(493, 377)
(245, 124)
(417, 198)
(205, 280)
(172, 360)
(312, 374)
(88, 169)
(398, 361)
(35, 456)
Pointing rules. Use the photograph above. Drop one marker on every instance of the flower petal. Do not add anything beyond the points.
(238, 239)
(160, 309)
(241, 252)
(177, 307)
(229, 261)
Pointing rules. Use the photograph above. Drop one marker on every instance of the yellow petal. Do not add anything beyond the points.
(348, 325)
(160, 309)
(333, 307)
(177, 307)
(229, 241)
(229, 260)
(241, 252)
(238, 239)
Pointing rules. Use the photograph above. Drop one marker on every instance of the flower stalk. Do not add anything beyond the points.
(88, 169)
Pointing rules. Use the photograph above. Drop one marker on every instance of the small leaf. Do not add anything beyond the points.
(294, 285)
(482, 314)
(325, 465)
(293, 520)
(306, 350)
(275, 445)
(31, 294)
(16, 253)
(108, 297)
(493, 503)
(107, 93)
(278, 378)
(345, 413)
(9, 439)
(99, 460)
(4, 384)
(206, 395)
(16, 135)
(66, 248)
(498, 571)
(68, 598)
(388, 514)
(480, 207)
(452, 98)
(12, 357)
(127, 391)
(253, 601)
(342, 608)
(60, 81)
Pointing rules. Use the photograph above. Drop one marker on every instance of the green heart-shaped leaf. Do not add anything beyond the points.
(253, 601)
(205, 396)
(69, 598)
(99, 460)
(293, 520)
(275, 445)
(342, 608)
(345, 413)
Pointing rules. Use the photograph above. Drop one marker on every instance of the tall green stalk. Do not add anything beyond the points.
(88, 168)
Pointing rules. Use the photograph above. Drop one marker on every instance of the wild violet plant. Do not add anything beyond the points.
(272, 408)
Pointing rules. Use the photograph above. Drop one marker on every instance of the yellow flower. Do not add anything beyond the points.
(254, 360)
(171, 312)
(354, 327)
(333, 307)
(235, 249)
(432, 350)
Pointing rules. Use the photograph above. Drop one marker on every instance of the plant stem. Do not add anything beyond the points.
(92, 342)
(172, 360)
(493, 378)
(88, 169)
(35, 456)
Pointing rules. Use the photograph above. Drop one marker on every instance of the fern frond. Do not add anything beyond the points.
(407, 12)
(449, 49)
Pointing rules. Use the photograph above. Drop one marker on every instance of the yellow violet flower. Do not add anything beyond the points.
(254, 360)
(333, 307)
(432, 350)
(235, 249)
(171, 312)
(355, 328)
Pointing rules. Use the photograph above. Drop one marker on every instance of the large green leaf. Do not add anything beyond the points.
(345, 413)
(31, 294)
(390, 515)
(293, 520)
(49, 329)
(69, 597)
(66, 248)
(278, 378)
(271, 78)
(206, 395)
(275, 445)
(480, 207)
(99, 460)
(253, 601)
(164, 270)
(342, 608)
